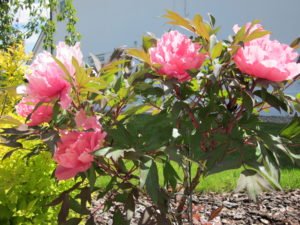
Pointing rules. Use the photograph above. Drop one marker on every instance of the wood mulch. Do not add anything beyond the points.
(277, 208)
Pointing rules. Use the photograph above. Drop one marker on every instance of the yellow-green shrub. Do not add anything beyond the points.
(26, 187)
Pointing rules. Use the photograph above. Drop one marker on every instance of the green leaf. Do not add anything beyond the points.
(91, 175)
(117, 154)
(212, 19)
(10, 143)
(8, 120)
(275, 144)
(9, 153)
(95, 84)
(85, 197)
(64, 210)
(75, 206)
(109, 187)
(270, 171)
(102, 152)
(149, 179)
(118, 84)
(81, 76)
(200, 27)
(139, 54)
(121, 137)
(272, 100)
(248, 102)
(97, 62)
(148, 42)
(292, 130)
(170, 175)
(118, 218)
(6, 213)
(240, 35)
(64, 69)
(135, 76)
(296, 43)
(228, 163)
(134, 111)
(256, 34)
(194, 144)
(143, 126)
(130, 206)
(176, 19)
(90, 221)
(253, 183)
(217, 50)
(73, 221)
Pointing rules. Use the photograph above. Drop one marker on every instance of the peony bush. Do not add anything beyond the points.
(176, 102)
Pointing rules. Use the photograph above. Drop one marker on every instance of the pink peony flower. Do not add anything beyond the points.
(86, 123)
(65, 54)
(176, 54)
(267, 59)
(42, 114)
(73, 152)
(47, 80)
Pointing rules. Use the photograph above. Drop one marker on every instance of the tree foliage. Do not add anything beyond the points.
(40, 19)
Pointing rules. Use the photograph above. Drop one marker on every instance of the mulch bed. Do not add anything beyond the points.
(236, 208)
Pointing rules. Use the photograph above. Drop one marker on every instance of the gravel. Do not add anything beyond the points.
(278, 208)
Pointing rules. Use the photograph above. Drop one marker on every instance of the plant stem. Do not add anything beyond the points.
(189, 187)
(3, 106)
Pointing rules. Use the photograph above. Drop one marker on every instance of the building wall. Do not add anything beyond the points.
(106, 24)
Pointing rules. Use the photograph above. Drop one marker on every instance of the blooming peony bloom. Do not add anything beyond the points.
(176, 54)
(267, 59)
(47, 81)
(73, 152)
(65, 53)
(42, 114)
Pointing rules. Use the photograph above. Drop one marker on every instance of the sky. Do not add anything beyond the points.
(22, 18)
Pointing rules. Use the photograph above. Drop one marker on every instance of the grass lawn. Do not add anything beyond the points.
(226, 181)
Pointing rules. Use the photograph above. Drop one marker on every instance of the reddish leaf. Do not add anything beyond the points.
(215, 213)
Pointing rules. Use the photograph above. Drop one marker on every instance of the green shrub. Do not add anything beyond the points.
(26, 187)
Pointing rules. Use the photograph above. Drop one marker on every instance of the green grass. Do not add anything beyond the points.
(226, 181)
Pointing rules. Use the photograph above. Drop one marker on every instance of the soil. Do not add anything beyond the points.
(277, 208)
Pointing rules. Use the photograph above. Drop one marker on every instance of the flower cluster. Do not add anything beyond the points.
(267, 59)
(48, 81)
